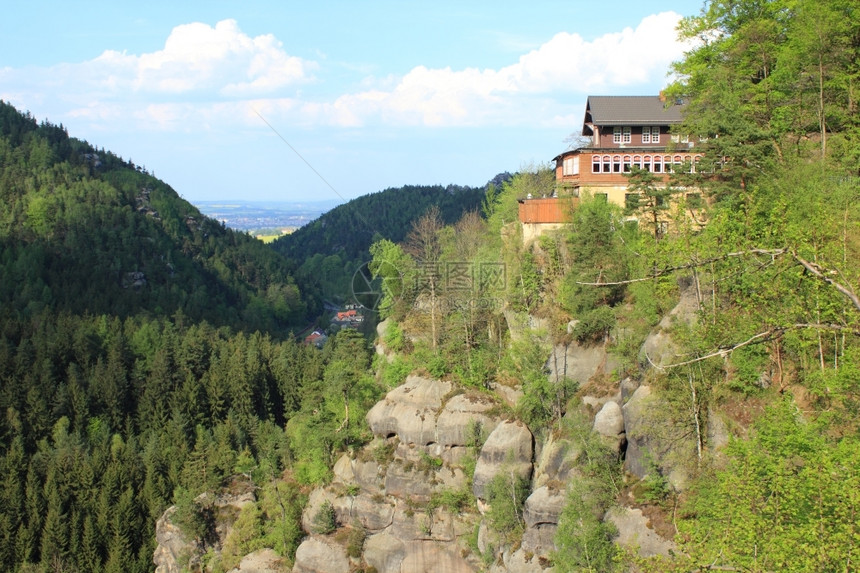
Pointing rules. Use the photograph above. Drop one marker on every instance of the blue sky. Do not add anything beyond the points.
(371, 94)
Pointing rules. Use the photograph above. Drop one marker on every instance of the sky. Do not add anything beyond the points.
(300, 101)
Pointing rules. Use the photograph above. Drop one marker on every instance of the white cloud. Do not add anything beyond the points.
(566, 63)
(208, 77)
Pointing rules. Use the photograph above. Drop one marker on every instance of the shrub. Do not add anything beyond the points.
(325, 520)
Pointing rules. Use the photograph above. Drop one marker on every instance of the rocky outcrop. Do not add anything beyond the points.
(652, 445)
(409, 411)
(659, 349)
(319, 555)
(609, 421)
(261, 561)
(640, 443)
(175, 553)
(385, 553)
(510, 447)
(423, 431)
(173, 547)
(543, 506)
(634, 532)
(580, 363)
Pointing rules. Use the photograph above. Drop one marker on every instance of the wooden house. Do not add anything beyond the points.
(624, 131)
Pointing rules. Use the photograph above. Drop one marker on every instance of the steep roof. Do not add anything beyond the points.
(630, 110)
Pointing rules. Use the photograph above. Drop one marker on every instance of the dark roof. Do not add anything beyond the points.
(631, 110)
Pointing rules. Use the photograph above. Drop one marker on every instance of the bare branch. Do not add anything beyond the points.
(821, 273)
(772, 253)
(766, 336)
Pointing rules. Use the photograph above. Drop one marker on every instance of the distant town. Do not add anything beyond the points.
(265, 219)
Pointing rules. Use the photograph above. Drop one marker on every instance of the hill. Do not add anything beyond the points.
(83, 231)
(332, 247)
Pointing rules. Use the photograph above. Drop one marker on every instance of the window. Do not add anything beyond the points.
(601, 197)
(607, 166)
(637, 161)
(595, 164)
(627, 159)
(622, 134)
(616, 164)
(651, 134)
(570, 166)
(680, 138)
(646, 163)
(658, 164)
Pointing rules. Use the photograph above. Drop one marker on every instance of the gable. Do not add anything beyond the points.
(629, 110)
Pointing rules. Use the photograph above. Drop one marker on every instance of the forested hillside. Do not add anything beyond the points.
(84, 231)
(331, 248)
(145, 357)
(749, 451)
(133, 370)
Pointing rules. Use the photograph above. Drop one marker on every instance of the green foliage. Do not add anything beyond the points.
(596, 243)
(783, 502)
(193, 515)
(325, 519)
(544, 400)
(594, 325)
(455, 501)
(583, 539)
(355, 540)
(111, 238)
(506, 494)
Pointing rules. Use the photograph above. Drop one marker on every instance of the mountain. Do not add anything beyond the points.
(331, 248)
(83, 231)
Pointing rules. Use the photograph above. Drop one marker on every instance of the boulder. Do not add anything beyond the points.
(172, 544)
(510, 445)
(651, 443)
(372, 514)
(556, 462)
(609, 421)
(520, 561)
(261, 561)
(628, 386)
(342, 470)
(409, 411)
(384, 552)
(638, 429)
(413, 483)
(634, 533)
(540, 539)
(316, 500)
(460, 416)
(368, 475)
(659, 349)
(510, 395)
(543, 506)
(434, 557)
(319, 555)
(580, 363)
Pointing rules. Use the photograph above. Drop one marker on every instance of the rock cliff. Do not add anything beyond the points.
(415, 498)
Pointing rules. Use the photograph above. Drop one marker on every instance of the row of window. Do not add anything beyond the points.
(653, 163)
(624, 134)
